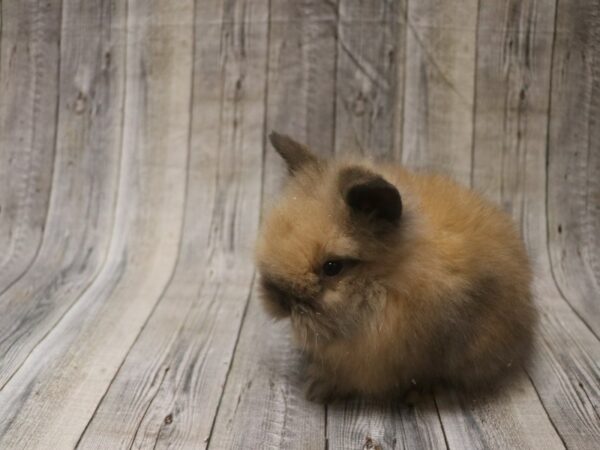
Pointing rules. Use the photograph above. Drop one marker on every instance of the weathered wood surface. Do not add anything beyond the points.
(370, 78)
(28, 101)
(87, 129)
(134, 170)
(439, 85)
(574, 160)
(193, 330)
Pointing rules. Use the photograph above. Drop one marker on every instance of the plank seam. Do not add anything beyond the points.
(139, 425)
(437, 409)
(399, 121)
(474, 113)
(265, 108)
(544, 408)
(338, 42)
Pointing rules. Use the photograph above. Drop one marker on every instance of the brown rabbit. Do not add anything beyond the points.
(393, 279)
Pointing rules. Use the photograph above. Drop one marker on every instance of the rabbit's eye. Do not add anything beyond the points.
(332, 268)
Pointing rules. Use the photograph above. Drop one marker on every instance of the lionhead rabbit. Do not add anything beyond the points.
(391, 278)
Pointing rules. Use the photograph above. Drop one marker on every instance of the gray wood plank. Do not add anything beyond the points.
(574, 159)
(369, 94)
(370, 77)
(565, 370)
(361, 424)
(510, 166)
(84, 178)
(439, 86)
(49, 401)
(513, 417)
(168, 389)
(264, 402)
(29, 44)
(513, 73)
(301, 80)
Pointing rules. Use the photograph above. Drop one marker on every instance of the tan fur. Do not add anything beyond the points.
(444, 296)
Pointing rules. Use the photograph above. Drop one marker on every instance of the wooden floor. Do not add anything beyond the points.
(134, 170)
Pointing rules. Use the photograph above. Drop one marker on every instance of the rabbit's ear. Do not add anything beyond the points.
(370, 196)
(296, 155)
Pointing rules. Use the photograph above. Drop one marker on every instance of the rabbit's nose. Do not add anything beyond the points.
(274, 292)
(286, 295)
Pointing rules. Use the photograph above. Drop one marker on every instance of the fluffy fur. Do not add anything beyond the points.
(435, 285)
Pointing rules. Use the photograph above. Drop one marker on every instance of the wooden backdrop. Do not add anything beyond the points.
(134, 170)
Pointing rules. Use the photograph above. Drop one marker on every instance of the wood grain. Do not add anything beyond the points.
(439, 86)
(510, 166)
(370, 78)
(76, 361)
(574, 160)
(82, 200)
(360, 424)
(169, 387)
(513, 81)
(29, 47)
(301, 80)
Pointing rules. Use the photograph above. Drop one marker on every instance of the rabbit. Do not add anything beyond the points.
(392, 279)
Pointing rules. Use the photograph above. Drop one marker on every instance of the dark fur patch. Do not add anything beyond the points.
(296, 155)
(275, 297)
(371, 196)
(282, 298)
(485, 339)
